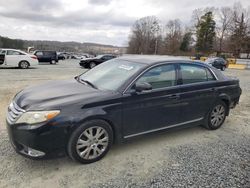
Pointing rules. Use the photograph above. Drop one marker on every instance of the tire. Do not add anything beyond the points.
(92, 65)
(24, 65)
(216, 115)
(85, 146)
(223, 68)
(53, 62)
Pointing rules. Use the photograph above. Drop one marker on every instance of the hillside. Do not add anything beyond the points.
(76, 47)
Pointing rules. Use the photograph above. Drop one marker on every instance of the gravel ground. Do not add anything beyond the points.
(192, 157)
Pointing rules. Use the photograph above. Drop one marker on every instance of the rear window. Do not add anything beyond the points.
(39, 53)
(195, 74)
(48, 53)
(13, 52)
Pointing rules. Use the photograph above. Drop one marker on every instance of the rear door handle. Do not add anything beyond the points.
(174, 96)
(212, 89)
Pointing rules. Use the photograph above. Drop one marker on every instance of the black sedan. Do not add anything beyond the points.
(217, 62)
(118, 100)
(61, 56)
(90, 63)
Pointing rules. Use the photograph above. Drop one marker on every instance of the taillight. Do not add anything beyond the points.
(33, 57)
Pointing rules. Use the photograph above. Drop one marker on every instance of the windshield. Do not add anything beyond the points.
(2, 51)
(210, 60)
(99, 56)
(112, 74)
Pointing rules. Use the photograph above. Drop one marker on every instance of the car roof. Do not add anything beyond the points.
(155, 59)
(45, 50)
(13, 50)
(9, 49)
(214, 58)
(105, 54)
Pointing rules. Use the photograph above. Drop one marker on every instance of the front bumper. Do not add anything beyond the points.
(45, 141)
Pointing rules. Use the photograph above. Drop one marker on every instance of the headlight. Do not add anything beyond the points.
(37, 116)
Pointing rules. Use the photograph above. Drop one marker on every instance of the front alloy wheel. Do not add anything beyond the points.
(90, 142)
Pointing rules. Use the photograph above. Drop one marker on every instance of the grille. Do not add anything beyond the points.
(14, 112)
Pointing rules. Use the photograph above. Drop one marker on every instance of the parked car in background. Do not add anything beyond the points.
(118, 100)
(17, 58)
(45, 56)
(61, 56)
(80, 57)
(66, 55)
(90, 63)
(217, 62)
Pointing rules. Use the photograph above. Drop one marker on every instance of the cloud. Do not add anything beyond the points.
(41, 5)
(83, 17)
(99, 2)
(103, 21)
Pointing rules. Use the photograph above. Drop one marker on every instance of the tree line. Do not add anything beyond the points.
(212, 30)
(11, 43)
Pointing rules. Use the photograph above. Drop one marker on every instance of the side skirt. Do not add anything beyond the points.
(164, 128)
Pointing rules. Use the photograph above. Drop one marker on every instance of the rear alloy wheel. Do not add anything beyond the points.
(90, 142)
(217, 115)
(53, 62)
(223, 68)
(24, 65)
(92, 65)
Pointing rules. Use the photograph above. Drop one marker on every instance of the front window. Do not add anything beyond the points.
(112, 74)
(160, 77)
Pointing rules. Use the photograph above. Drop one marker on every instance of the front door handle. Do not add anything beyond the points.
(213, 89)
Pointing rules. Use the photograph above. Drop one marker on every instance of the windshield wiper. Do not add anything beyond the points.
(89, 83)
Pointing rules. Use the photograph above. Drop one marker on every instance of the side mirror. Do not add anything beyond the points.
(144, 86)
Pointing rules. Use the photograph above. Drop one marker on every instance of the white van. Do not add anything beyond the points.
(17, 58)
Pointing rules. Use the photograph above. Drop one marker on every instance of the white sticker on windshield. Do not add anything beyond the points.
(126, 67)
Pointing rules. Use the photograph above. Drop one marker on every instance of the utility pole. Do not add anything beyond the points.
(156, 44)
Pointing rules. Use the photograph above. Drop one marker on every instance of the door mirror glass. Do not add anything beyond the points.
(143, 86)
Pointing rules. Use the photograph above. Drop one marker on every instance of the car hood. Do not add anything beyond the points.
(55, 94)
(88, 59)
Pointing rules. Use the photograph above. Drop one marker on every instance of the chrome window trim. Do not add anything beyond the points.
(170, 87)
(216, 78)
(163, 128)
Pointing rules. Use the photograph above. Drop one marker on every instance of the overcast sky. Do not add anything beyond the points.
(100, 21)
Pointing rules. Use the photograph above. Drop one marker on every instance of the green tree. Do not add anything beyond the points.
(240, 28)
(205, 33)
(186, 41)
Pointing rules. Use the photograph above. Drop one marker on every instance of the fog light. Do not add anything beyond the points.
(32, 152)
